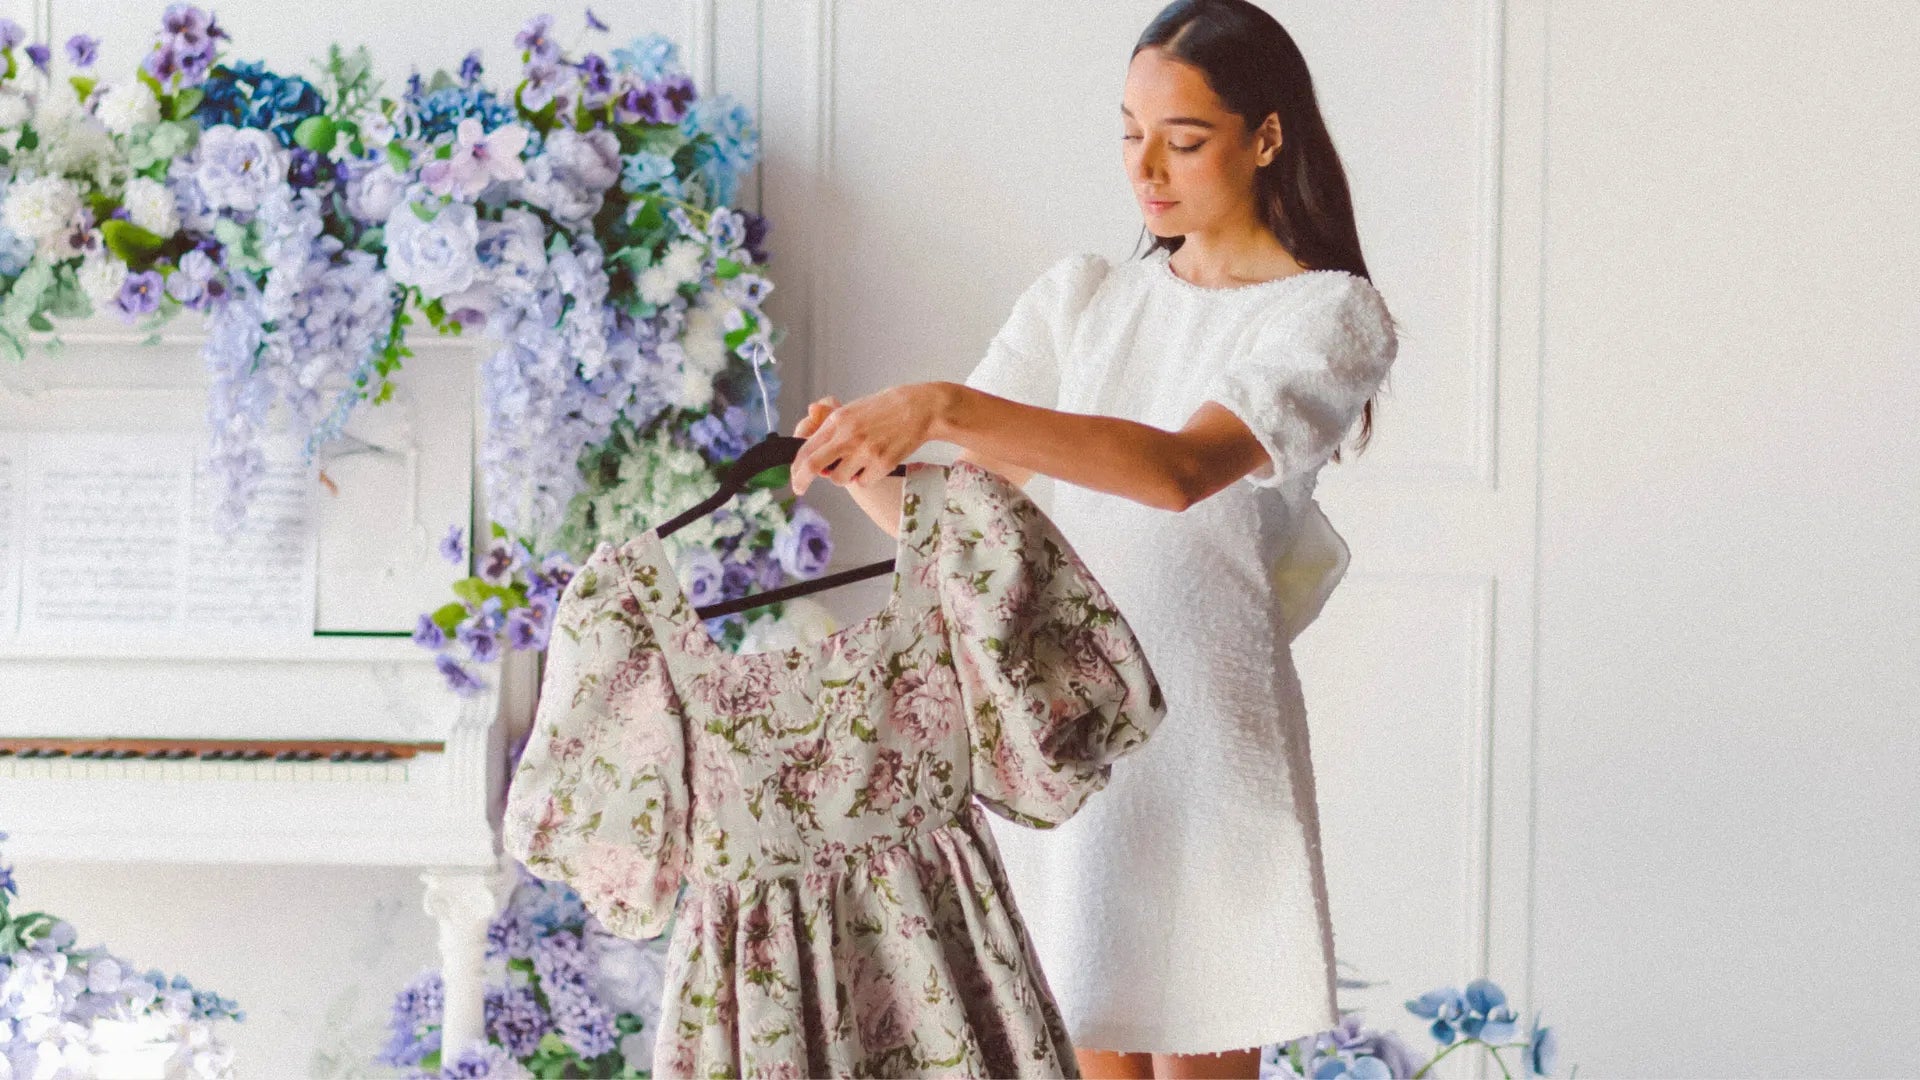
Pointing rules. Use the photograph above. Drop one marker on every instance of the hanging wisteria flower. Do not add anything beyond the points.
(576, 219)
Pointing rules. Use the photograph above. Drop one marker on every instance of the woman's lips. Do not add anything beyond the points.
(1155, 206)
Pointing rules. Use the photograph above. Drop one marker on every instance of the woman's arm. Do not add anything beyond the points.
(1171, 470)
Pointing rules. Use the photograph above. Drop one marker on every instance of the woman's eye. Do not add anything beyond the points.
(1189, 149)
(1128, 138)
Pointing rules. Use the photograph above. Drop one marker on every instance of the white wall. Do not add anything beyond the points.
(1617, 704)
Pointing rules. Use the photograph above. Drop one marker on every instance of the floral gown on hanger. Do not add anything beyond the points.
(844, 911)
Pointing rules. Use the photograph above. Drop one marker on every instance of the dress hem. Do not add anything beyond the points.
(1189, 1041)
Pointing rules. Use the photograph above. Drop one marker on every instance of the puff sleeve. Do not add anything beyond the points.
(599, 798)
(1307, 373)
(1054, 683)
(1022, 362)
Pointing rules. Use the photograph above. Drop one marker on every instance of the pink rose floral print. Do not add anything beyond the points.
(844, 912)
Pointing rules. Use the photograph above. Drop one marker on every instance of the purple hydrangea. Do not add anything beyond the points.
(514, 1019)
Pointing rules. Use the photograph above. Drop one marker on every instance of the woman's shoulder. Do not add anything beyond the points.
(1328, 307)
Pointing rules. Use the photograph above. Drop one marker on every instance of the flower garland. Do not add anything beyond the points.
(67, 1011)
(580, 222)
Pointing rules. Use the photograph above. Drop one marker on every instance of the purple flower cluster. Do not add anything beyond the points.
(186, 47)
(413, 1025)
(553, 969)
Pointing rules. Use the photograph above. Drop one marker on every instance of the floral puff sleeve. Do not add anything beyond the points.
(599, 798)
(1053, 680)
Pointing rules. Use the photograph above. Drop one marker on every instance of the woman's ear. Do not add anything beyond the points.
(1267, 140)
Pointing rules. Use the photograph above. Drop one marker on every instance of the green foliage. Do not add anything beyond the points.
(184, 103)
(135, 246)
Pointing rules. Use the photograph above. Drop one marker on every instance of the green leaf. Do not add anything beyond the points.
(83, 86)
(726, 268)
(316, 133)
(134, 245)
(448, 617)
(39, 321)
(398, 157)
(498, 529)
(185, 102)
(422, 212)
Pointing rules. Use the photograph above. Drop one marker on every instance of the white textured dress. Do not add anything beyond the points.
(1184, 910)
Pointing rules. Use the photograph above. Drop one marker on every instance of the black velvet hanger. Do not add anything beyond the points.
(770, 452)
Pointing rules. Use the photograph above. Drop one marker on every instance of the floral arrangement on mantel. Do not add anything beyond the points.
(580, 221)
(74, 1012)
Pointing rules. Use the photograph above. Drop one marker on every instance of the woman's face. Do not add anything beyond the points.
(1191, 162)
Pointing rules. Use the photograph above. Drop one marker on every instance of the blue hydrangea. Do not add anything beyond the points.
(246, 94)
(437, 114)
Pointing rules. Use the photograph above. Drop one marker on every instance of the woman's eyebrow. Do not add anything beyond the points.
(1190, 121)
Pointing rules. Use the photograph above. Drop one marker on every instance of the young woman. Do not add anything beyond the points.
(1184, 402)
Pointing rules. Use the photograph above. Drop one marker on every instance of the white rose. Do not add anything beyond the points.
(151, 206)
(683, 260)
(696, 388)
(435, 256)
(704, 340)
(125, 106)
(657, 285)
(42, 207)
(374, 192)
(101, 278)
(14, 108)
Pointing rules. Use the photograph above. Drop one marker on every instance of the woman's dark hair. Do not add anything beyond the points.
(1254, 67)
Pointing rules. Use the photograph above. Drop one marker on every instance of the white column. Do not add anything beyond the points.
(463, 900)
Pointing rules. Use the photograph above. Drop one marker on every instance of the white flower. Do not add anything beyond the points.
(375, 128)
(657, 285)
(101, 278)
(15, 108)
(684, 259)
(437, 256)
(125, 106)
(704, 340)
(72, 142)
(374, 191)
(42, 207)
(151, 206)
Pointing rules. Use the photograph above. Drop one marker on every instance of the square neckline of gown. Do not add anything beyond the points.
(655, 552)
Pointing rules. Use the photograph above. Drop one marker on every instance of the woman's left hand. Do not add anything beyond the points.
(865, 438)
